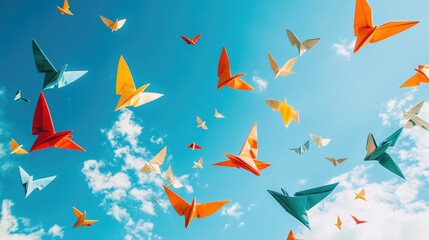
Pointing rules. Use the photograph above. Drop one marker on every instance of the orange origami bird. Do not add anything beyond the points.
(15, 148)
(422, 76)
(360, 195)
(193, 41)
(81, 221)
(194, 146)
(357, 220)
(339, 223)
(367, 33)
(247, 156)
(224, 74)
(192, 210)
(65, 9)
(292, 237)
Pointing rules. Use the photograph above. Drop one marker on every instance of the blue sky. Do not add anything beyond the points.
(340, 96)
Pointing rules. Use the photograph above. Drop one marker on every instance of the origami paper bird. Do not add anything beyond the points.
(298, 204)
(246, 159)
(193, 41)
(218, 115)
(335, 162)
(172, 180)
(292, 237)
(321, 142)
(153, 165)
(285, 70)
(413, 119)
(115, 26)
(30, 184)
(194, 209)
(224, 74)
(287, 112)
(18, 97)
(81, 221)
(357, 220)
(53, 77)
(65, 9)
(360, 195)
(422, 76)
(378, 153)
(339, 223)
(130, 96)
(302, 149)
(198, 164)
(302, 46)
(15, 148)
(367, 33)
(43, 127)
(201, 124)
(194, 146)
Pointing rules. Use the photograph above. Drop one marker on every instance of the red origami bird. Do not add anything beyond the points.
(44, 129)
(193, 41)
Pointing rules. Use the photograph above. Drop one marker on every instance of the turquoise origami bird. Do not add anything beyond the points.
(378, 153)
(298, 204)
(53, 77)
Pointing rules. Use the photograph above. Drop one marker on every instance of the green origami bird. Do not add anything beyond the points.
(378, 153)
(298, 204)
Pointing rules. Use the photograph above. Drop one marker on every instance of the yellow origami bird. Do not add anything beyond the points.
(339, 223)
(130, 96)
(361, 195)
(65, 9)
(287, 112)
(115, 26)
(15, 148)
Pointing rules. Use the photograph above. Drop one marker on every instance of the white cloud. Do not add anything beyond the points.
(396, 209)
(241, 225)
(344, 49)
(130, 196)
(302, 181)
(251, 206)
(158, 140)
(261, 84)
(233, 211)
(56, 231)
(226, 226)
(10, 227)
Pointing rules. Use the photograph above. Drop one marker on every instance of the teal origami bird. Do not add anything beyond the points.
(302, 149)
(378, 153)
(53, 77)
(298, 204)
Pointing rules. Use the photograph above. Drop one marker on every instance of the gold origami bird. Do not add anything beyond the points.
(287, 112)
(65, 9)
(360, 195)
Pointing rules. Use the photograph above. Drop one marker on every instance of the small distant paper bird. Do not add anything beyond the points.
(302, 149)
(367, 33)
(198, 164)
(339, 223)
(115, 26)
(15, 148)
(321, 142)
(360, 195)
(335, 162)
(193, 41)
(224, 74)
(218, 115)
(18, 97)
(292, 237)
(30, 184)
(201, 124)
(172, 180)
(153, 165)
(302, 46)
(194, 146)
(357, 220)
(65, 9)
(193, 209)
(285, 70)
(287, 112)
(81, 221)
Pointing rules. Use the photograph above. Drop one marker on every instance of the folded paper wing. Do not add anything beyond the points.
(224, 74)
(422, 76)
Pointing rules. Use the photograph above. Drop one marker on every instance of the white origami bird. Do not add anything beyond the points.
(171, 180)
(218, 115)
(321, 142)
(30, 184)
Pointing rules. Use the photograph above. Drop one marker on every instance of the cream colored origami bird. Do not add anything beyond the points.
(321, 142)
(201, 124)
(285, 70)
(172, 180)
(153, 165)
(198, 164)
